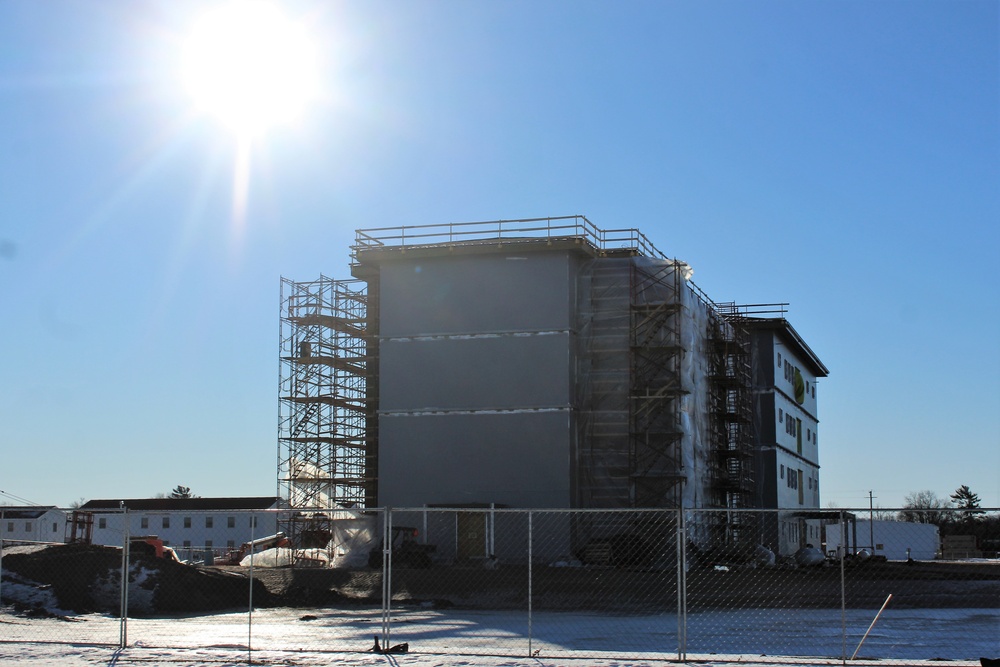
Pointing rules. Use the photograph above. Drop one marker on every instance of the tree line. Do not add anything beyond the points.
(960, 514)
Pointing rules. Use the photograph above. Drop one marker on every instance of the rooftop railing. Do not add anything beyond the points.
(532, 229)
(512, 231)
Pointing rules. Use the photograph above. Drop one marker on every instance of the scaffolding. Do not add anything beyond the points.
(655, 388)
(603, 379)
(731, 416)
(326, 458)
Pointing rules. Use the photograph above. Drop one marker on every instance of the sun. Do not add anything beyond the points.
(250, 66)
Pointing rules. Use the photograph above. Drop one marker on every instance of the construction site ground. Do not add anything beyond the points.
(914, 585)
(83, 579)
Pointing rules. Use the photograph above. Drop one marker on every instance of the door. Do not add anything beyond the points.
(471, 534)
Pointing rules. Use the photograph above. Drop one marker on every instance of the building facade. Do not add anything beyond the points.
(190, 526)
(530, 364)
(893, 540)
(785, 376)
(32, 523)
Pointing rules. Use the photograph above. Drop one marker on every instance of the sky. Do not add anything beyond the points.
(843, 157)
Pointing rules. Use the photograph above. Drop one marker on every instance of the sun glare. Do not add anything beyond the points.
(250, 66)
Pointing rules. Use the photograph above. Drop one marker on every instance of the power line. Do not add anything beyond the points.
(19, 498)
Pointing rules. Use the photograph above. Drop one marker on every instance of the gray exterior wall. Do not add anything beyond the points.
(503, 372)
(456, 460)
(483, 293)
(476, 376)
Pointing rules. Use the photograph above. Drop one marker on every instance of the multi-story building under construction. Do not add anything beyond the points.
(528, 363)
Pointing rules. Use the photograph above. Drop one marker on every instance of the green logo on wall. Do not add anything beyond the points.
(800, 387)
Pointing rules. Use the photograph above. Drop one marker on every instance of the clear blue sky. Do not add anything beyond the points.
(840, 156)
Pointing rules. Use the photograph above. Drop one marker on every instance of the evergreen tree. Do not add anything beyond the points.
(967, 501)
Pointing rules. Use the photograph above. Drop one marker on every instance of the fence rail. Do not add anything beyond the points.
(623, 584)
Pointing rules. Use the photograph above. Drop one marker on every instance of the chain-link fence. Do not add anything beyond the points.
(620, 584)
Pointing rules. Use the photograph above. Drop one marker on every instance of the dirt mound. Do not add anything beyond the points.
(81, 578)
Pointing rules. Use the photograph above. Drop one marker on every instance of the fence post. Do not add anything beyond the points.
(386, 574)
(253, 549)
(842, 552)
(530, 572)
(681, 587)
(126, 543)
(1, 556)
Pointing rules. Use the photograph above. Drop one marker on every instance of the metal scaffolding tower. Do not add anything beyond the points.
(603, 379)
(325, 459)
(731, 420)
(656, 477)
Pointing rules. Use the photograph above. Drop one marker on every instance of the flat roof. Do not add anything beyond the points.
(24, 511)
(190, 504)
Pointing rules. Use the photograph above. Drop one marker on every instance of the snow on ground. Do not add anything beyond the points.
(36, 655)
(339, 638)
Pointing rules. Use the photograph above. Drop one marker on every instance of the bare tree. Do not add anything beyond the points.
(882, 514)
(924, 507)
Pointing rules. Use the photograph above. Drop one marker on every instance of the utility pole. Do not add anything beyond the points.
(871, 521)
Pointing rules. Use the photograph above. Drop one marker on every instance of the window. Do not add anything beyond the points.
(230, 522)
(144, 522)
(208, 522)
(10, 526)
(781, 415)
(166, 523)
(782, 471)
(790, 372)
(779, 360)
(230, 544)
(55, 527)
(166, 543)
(253, 522)
(102, 523)
(27, 526)
(187, 544)
(208, 544)
(809, 435)
(187, 522)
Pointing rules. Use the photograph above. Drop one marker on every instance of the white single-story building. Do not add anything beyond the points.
(896, 540)
(32, 523)
(191, 526)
